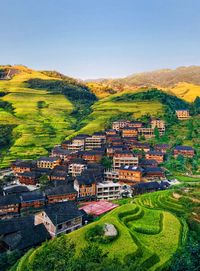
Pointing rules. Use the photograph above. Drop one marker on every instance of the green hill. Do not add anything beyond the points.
(151, 229)
(39, 109)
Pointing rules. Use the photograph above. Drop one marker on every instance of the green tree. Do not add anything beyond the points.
(156, 133)
(106, 162)
(43, 181)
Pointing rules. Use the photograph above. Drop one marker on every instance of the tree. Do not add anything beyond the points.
(156, 133)
(55, 255)
(106, 162)
(43, 181)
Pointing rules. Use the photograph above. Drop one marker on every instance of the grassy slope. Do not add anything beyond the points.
(186, 91)
(151, 229)
(37, 129)
(105, 109)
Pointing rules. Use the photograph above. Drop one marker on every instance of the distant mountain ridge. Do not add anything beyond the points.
(182, 81)
(163, 77)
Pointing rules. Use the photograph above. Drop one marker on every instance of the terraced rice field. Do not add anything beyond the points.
(104, 110)
(149, 231)
(37, 129)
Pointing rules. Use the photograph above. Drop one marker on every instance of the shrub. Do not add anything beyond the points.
(96, 234)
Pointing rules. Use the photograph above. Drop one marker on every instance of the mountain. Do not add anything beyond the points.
(183, 82)
(39, 109)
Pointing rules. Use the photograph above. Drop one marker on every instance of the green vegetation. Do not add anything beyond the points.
(153, 229)
(96, 234)
(77, 93)
(43, 108)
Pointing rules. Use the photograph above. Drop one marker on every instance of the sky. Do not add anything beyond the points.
(100, 38)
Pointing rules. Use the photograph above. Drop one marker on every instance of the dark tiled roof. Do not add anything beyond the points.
(61, 151)
(61, 168)
(153, 169)
(77, 161)
(123, 152)
(29, 237)
(164, 146)
(61, 212)
(66, 142)
(148, 185)
(9, 199)
(60, 190)
(30, 174)
(99, 134)
(56, 173)
(185, 148)
(95, 166)
(15, 189)
(145, 162)
(116, 147)
(131, 168)
(20, 163)
(140, 144)
(155, 153)
(80, 136)
(43, 171)
(49, 159)
(85, 179)
(15, 224)
(93, 152)
(32, 196)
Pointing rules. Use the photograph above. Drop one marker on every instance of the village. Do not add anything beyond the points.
(81, 178)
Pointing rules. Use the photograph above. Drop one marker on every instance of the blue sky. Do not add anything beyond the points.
(100, 38)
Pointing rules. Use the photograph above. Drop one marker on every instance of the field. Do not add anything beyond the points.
(43, 119)
(104, 110)
(186, 91)
(37, 128)
(151, 228)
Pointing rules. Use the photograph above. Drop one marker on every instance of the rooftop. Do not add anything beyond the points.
(25, 164)
(77, 161)
(15, 224)
(108, 184)
(130, 168)
(62, 212)
(153, 169)
(86, 179)
(60, 190)
(155, 153)
(32, 196)
(148, 162)
(49, 159)
(15, 189)
(9, 199)
(27, 237)
(187, 148)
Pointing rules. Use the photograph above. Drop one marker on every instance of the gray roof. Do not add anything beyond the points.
(9, 199)
(62, 212)
(49, 159)
(60, 190)
(32, 196)
(15, 224)
(27, 237)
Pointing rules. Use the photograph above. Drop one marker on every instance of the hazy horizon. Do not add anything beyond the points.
(100, 39)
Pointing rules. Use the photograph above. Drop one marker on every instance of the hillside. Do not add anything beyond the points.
(38, 119)
(151, 229)
(184, 82)
(39, 109)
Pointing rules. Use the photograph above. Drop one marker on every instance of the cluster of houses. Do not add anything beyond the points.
(75, 173)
